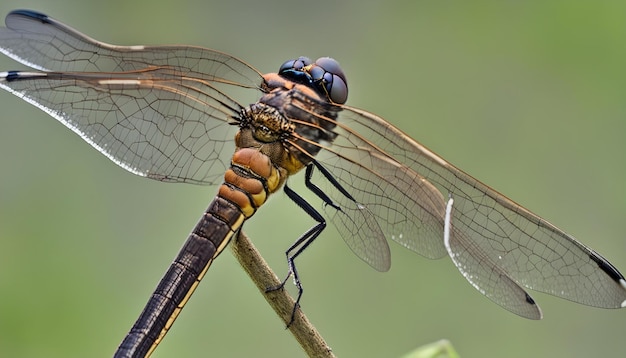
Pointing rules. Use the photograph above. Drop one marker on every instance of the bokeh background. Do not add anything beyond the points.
(528, 97)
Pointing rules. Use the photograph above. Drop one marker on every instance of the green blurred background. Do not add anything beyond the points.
(528, 97)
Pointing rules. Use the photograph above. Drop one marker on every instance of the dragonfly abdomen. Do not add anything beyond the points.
(247, 184)
(221, 221)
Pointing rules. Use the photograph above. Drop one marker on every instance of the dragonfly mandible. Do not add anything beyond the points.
(169, 113)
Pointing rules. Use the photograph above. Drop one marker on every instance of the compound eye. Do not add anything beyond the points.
(295, 65)
(301, 62)
(317, 73)
(337, 90)
(332, 66)
(333, 78)
(325, 76)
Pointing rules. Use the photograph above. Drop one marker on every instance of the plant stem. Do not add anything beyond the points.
(263, 277)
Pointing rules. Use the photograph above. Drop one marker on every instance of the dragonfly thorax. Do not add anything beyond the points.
(266, 122)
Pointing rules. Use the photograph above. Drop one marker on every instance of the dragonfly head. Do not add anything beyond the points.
(324, 76)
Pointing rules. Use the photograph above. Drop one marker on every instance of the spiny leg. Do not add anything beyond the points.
(310, 235)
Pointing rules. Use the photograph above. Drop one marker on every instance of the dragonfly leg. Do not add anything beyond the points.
(330, 178)
(299, 246)
(315, 189)
(310, 235)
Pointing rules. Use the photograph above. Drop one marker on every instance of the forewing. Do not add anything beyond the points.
(533, 252)
(161, 112)
(46, 44)
(385, 199)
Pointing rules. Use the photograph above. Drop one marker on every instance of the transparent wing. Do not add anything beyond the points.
(482, 272)
(46, 44)
(359, 226)
(500, 245)
(391, 201)
(161, 112)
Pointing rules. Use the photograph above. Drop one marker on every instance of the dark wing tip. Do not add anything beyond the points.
(30, 14)
(10, 76)
(607, 267)
(532, 311)
(610, 270)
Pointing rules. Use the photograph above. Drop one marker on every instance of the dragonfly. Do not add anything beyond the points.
(170, 113)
